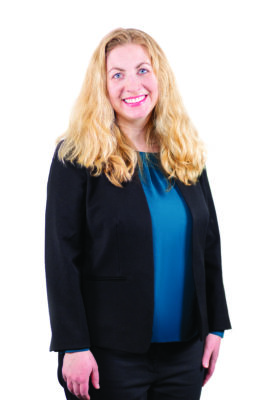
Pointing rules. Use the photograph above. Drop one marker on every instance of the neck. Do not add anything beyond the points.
(135, 132)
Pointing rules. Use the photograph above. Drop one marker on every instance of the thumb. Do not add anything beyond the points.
(95, 378)
(206, 358)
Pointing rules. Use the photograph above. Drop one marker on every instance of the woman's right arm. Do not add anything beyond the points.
(64, 236)
(64, 228)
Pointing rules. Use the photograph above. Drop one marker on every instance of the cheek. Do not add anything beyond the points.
(156, 90)
(112, 93)
(152, 85)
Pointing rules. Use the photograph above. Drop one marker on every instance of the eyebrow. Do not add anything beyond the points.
(120, 69)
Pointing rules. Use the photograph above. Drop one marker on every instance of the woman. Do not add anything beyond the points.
(133, 265)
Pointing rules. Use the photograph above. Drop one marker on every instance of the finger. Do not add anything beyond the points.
(209, 372)
(70, 385)
(76, 389)
(207, 377)
(206, 357)
(95, 377)
(212, 366)
(84, 389)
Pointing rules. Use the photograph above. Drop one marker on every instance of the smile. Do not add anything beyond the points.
(135, 100)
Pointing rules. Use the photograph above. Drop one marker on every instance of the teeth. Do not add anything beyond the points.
(136, 100)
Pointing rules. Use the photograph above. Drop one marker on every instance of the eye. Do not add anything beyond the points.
(143, 71)
(117, 75)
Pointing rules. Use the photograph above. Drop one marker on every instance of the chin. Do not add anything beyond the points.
(136, 114)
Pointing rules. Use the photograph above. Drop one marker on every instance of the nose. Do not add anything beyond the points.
(132, 84)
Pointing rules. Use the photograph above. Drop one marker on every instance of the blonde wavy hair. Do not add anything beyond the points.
(94, 139)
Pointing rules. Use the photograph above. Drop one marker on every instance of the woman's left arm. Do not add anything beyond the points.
(218, 317)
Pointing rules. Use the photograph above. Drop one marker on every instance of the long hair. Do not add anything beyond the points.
(94, 139)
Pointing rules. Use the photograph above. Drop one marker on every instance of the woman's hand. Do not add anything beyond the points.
(211, 351)
(76, 371)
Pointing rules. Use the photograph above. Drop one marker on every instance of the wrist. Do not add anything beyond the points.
(218, 333)
(74, 351)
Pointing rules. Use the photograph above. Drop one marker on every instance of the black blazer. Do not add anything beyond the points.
(99, 260)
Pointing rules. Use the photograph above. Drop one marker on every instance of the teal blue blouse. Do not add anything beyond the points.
(175, 299)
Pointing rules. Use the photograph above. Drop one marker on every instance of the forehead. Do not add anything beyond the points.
(126, 55)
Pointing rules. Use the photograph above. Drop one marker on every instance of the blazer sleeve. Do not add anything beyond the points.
(64, 228)
(218, 317)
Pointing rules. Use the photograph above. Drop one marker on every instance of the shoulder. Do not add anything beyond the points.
(204, 182)
(203, 178)
(64, 171)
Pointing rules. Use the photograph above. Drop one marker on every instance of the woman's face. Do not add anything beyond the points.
(131, 83)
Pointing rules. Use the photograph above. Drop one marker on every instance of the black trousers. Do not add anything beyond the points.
(166, 371)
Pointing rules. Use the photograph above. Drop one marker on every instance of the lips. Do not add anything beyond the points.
(135, 100)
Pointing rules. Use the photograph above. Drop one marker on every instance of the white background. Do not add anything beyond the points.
(217, 50)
